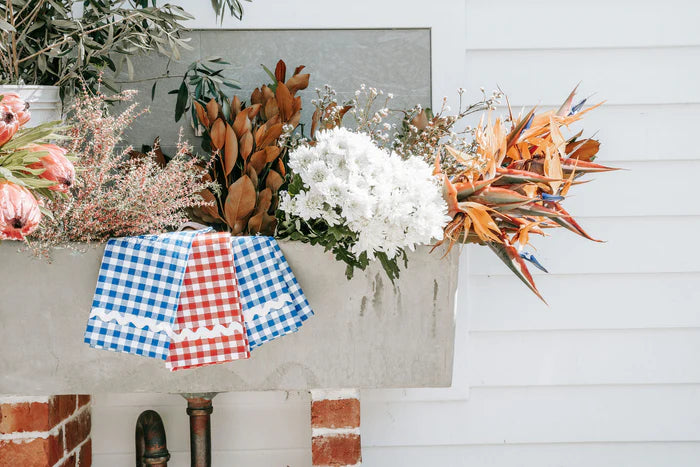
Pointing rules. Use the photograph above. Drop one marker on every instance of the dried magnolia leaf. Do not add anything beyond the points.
(273, 121)
(315, 119)
(285, 101)
(239, 204)
(296, 118)
(257, 160)
(236, 105)
(256, 221)
(271, 109)
(252, 174)
(246, 146)
(297, 104)
(262, 223)
(297, 83)
(269, 223)
(202, 115)
(271, 135)
(212, 110)
(255, 224)
(280, 71)
(420, 121)
(280, 168)
(267, 94)
(241, 124)
(218, 134)
(274, 181)
(271, 153)
(253, 111)
(341, 114)
(230, 150)
(260, 134)
(264, 200)
(256, 97)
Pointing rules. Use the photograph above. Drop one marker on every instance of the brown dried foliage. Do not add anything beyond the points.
(250, 163)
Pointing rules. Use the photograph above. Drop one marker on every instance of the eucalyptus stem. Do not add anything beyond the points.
(68, 39)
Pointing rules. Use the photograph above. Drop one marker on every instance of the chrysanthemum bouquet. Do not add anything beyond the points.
(31, 169)
(361, 201)
(368, 193)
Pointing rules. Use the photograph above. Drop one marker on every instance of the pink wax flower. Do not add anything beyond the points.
(13, 114)
(19, 212)
(57, 167)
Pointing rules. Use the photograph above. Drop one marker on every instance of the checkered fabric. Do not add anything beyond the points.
(209, 326)
(272, 300)
(137, 293)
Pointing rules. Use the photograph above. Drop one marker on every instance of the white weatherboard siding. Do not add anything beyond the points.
(607, 375)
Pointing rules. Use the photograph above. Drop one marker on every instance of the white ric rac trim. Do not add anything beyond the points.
(265, 308)
(157, 326)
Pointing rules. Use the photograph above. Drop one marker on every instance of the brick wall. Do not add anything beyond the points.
(335, 428)
(49, 431)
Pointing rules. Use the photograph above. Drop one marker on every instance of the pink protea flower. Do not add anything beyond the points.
(57, 167)
(13, 114)
(17, 105)
(19, 212)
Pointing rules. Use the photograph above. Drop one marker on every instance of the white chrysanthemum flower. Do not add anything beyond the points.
(389, 202)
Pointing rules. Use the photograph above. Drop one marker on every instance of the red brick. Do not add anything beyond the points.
(343, 413)
(77, 430)
(24, 416)
(85, 457)
(83, 399)
(336, 450)
(35, 453)
(70, 462)
(55, 446)
(62, 407)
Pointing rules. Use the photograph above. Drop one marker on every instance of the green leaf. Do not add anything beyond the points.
(7, 27)
(270, 74)
(181, 102)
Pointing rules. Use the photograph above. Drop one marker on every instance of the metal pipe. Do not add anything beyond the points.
(199, 408)
(151, 447)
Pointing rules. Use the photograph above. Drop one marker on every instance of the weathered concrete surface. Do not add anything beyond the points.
(366, 332)
(394, 60)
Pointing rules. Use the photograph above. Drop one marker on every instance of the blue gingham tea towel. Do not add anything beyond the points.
(137, 293)
(272, 301)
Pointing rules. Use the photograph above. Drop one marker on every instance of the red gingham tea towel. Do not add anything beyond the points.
(209, 326)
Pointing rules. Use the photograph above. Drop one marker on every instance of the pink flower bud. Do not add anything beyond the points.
(57, 167)
(13, 114)
(19, 212)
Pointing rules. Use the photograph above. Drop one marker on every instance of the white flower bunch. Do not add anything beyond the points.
(390, 203)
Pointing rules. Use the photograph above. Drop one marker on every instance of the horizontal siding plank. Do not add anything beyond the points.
(540, 415)
(540, 455)
(532, 358)
(610, 301)
(622, 76)
(633, 245)
(598, 23)
(618, 193)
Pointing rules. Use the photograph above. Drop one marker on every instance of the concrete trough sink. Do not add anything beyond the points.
(366, 333)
